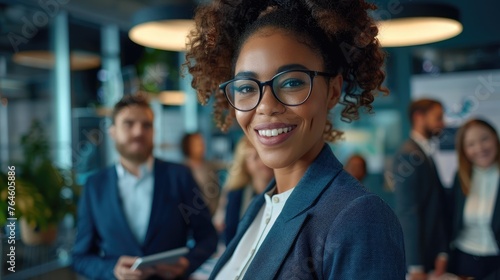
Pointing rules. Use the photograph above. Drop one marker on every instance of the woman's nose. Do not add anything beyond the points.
(269, 105)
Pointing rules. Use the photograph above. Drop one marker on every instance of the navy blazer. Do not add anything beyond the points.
(457, 213)
(420, 205)
(177, 212)
(330, 228)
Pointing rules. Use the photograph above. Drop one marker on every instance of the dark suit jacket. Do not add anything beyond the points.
(420, 205)
(457, 205)
(330, 228)
(234, 211)
(177, 211)
(233, 214)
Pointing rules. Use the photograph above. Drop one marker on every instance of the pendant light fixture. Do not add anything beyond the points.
(417, 23)
(411, 23)
(163, 27)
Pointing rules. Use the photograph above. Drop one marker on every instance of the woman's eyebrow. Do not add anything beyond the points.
(251, 74)
(291, 67)
(246, 74)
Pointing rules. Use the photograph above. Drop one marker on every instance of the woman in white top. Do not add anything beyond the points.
(476, 202)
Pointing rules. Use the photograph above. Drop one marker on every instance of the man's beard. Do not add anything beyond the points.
(137, 157)
(429, 133)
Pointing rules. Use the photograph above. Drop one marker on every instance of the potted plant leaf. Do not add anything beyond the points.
(44, 193)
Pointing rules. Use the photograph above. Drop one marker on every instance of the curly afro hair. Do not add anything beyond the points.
(341, 31)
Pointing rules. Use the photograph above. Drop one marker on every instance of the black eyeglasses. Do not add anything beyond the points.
(290, 88)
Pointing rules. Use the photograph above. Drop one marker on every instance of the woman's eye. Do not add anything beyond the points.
(245, 89)
(485, 138)
(291, 83)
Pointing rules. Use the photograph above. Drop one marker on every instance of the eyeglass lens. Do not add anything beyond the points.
(290, 88)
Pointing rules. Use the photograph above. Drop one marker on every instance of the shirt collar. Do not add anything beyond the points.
(282, 197)
(486, 170)
(425, 144)
(144, 169)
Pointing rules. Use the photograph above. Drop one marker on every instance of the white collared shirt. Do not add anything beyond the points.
(237, 265)
(136, 194)
(429, 147)
(476, 237)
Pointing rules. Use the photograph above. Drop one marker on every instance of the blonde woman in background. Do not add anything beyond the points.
(247, 177)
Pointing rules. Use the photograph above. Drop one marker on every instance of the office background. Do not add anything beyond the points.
(65, 62)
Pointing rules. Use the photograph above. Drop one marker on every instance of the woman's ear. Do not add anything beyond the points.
(335, 88)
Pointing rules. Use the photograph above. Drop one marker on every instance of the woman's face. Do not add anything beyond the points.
(262, 56)
(480, 146)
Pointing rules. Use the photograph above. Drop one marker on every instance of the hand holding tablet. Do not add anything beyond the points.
(167, 257)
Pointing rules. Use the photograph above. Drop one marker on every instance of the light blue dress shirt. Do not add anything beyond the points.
(136, 194)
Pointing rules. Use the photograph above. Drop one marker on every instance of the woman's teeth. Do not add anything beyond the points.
(274, 132)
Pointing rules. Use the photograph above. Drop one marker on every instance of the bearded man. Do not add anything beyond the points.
(419, 194)
(140, 206)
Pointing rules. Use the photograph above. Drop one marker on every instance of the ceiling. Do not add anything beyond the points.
(478, 18)
(86, 16)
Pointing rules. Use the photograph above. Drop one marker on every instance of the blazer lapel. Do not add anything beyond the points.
(276, 246)
(116, 210)
(495, 221)
(158, 193)
(282, 235)
(246, 221)
(429, 159)
(460, 207)
(317, 177)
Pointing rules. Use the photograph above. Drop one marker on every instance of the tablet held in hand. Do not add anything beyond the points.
(167, 257)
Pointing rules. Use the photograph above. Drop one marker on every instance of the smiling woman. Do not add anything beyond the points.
(279, 67)
(475, 202)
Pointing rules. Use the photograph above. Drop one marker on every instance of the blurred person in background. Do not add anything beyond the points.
(205, 174)
(356, 166)
(139, 206)
(476, 202)
(419, 195)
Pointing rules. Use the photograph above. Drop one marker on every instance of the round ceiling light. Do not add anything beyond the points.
(418, 24)
(163, 27)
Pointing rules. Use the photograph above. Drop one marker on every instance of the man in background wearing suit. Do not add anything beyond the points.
(140, 206)
(419, 194)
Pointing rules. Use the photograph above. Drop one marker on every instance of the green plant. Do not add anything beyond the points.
(44, 194)
(158, 70)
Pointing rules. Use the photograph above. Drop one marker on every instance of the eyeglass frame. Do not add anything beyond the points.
(312, 74)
